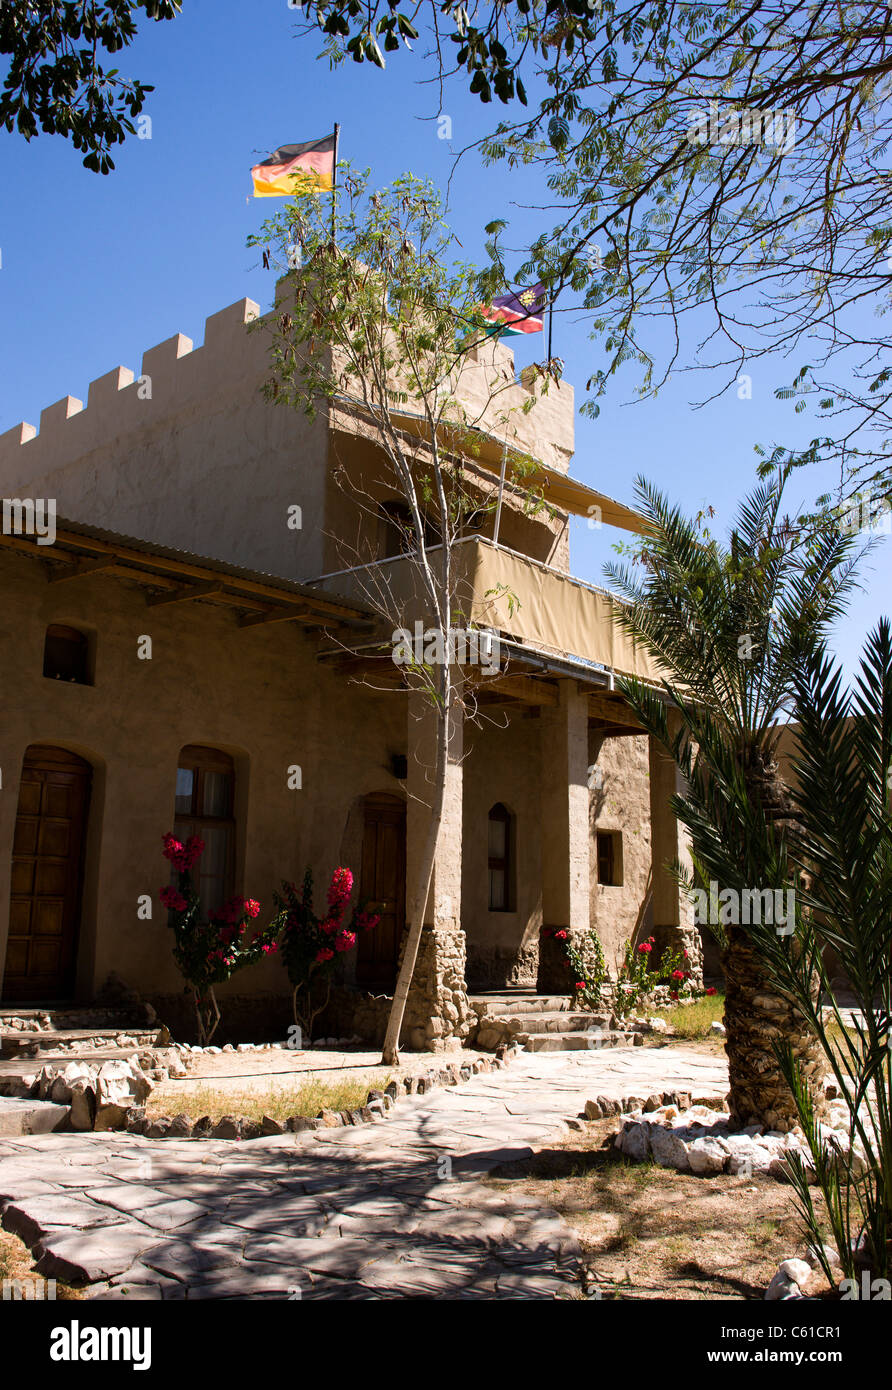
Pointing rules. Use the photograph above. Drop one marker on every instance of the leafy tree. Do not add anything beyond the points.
(380, 321)
(673, 210)
(732, 626)
(55, 83)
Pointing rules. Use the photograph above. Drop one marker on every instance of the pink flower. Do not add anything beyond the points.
(645, 948)
(340, 888)
(172, 847)
(678, 975)
(182, 856)
(345, 941)
(560, 936)
(324, 955)
(580, 984)
(173, 900)
(252, 907)
(711, 990)
(367, 920)
(330, 925)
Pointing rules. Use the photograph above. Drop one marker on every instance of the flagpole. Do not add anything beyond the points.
(334, 181)
(550, 325)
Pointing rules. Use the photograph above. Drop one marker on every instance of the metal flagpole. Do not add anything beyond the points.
(334, 180)
(550, 325)
(495, 529)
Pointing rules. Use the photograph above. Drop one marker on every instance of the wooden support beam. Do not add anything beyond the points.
(183, 595)
(281, 615)
(523, 688)
(84, 567)
(614, 709)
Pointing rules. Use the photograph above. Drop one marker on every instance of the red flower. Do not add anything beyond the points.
(560, 936)
(673, 995)
(173, 900)
(678, 975)
(345, 941)
(580, 984)
(252, 907)
(711, 990)
(645, 948)
(367, 920)
(340, 888)
(685, 954)
(324, 954)
(182, 856)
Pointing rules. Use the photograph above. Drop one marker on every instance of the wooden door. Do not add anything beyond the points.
(47, 875)
(383, 882)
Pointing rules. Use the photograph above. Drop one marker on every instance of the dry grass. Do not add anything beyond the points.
(278, 1101)
(649, 1232)
(16, 1263)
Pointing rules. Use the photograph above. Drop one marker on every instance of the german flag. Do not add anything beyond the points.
(291, 166)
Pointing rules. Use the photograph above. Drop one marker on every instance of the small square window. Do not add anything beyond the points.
(66, 655)
(610, 858)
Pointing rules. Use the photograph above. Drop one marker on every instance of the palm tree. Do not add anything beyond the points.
(730, 626)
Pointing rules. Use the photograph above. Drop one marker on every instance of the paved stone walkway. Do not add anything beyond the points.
(387, 1210)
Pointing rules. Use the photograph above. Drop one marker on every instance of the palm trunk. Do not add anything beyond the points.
(755, 1012)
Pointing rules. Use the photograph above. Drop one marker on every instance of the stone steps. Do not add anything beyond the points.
(31, 1117)
(87, 1042)
(501, 1005)
(576, 1041)
(552, 1022)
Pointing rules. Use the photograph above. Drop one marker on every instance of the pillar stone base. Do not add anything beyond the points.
(438, 1015)
(554, 975)
(681, 938)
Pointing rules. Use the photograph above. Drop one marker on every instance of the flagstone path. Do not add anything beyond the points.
(386, 1210)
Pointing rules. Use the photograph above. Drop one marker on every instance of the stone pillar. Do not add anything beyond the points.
(438, 1016)
(674, 927)
(565, 832)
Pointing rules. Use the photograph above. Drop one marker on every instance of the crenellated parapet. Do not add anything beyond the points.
(172, 375)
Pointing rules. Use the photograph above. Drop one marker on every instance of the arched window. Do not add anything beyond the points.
(501, 859)
(66, 655)
(204, 806)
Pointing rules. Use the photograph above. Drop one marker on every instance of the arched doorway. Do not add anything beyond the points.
(47, 875)
(383, 882)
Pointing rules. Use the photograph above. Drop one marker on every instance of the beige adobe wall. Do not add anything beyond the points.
(204, 464)
(259, 694)
(502, 764)
(620, 801)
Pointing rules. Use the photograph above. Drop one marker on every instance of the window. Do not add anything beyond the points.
(204, 805)
(66, 655)
(501, 868)
(396, 530)
(610, 858)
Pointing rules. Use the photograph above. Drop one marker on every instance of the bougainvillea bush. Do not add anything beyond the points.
(636, 977)
(209, 952)
(312, 945)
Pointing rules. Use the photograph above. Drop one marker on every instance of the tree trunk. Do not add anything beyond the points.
(755, 1014)
(418, 901)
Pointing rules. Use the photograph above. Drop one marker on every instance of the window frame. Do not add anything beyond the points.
(500, 814)
(201, 760)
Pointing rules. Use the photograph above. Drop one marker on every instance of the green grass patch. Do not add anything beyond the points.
(693, 1022)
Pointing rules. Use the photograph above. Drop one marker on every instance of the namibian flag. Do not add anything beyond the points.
(291, 166)
(512, 314)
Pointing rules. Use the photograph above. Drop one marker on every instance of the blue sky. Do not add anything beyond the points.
(95, 270)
